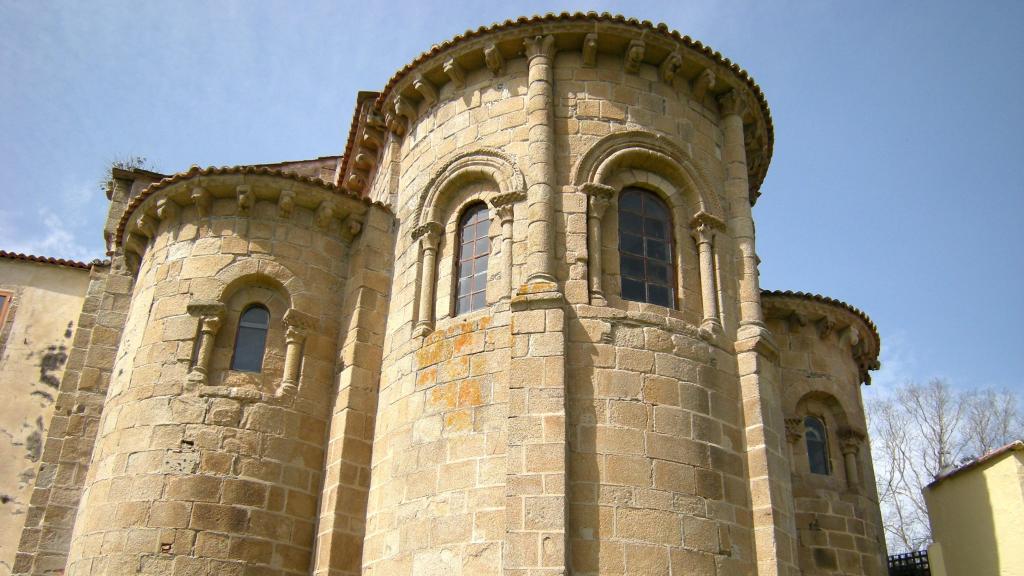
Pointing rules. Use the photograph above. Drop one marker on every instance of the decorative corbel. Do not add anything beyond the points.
(825, 327)
(396, 124)
(404, 108)
(795, 321)
(356, 182)
(166, 209)
(286, 203)
(635, 55)
(146, 225)
(373, 137)
(426, 88)
(351, 226)
(702, 83)
(670, 66)
(849, 336)
(455, 72)
(201, 197)
(590, 50)
(324, 214)
(246, 200)
(365, 160)
(494, 60)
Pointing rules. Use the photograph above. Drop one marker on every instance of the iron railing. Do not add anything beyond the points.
(910, 564)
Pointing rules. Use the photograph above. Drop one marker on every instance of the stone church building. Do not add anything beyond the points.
(514, 328)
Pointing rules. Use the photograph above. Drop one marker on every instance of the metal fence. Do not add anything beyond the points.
(910, 564)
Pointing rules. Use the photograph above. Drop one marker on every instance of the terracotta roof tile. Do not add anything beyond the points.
(50, 260)
(826, 300)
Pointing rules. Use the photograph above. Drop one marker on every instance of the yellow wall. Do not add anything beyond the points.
(34, 343)
(977, 518)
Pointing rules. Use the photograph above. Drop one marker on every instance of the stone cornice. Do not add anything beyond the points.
(674, 54)
(852, 326)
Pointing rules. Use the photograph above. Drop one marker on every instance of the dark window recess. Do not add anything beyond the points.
(251, 340)
(474, 248)
(817, 445)
(645, 248)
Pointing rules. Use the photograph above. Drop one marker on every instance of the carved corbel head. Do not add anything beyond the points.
(356, 182)
(825, 327)
(454, 72)
(146, 225)
(670, 66)
(849, 336)
(246, 199)
(635, 55)
(702, 83)
(404, 108)
(426, 89)
(286, 203)
(494, 60)
(351, 227)
(202, 199)
(324, 214)
(590, 50)
(166, 209)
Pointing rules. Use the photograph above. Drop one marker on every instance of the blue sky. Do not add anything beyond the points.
(893, 186)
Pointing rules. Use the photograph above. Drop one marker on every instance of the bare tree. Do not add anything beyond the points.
(921, 431)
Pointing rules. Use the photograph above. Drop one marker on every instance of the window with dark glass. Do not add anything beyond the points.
(251, 340)
(817, 445)
(645, 248)
(474, 248)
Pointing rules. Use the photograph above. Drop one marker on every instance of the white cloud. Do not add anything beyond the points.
(52, 237)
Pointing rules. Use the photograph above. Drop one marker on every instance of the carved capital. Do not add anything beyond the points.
(205, 308)
(670, 66)
(506, 198)
(300, 320)
(635, 55)
(286, 203)
(732, 102)
(166, 209)
(794, 430)
(702, 83)
(850, 440)
(201, 197)
(246, 199)
(455, 72)
(590, 50)
(426, 89)
(493, 58)
(504, 212)
(539, 46)
(428, 234)
(704, 226)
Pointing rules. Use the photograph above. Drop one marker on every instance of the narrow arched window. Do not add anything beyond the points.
(817, 445)
(474, 248)
(645, 248)
(251, 339)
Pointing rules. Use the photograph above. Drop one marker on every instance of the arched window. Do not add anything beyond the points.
(474, 248)
(251, 339)
(817, 445)
(645, 248)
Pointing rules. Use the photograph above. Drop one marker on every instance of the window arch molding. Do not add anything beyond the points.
(842, 441)
(483, 175)
(652, 162)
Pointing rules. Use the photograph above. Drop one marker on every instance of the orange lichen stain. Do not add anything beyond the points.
(444, 395)
(458, 420)
(468, 342)
(470, 394)
(434, 353)
(455, 368)
(426, 378)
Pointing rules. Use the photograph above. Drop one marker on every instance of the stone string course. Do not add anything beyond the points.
(559, 430)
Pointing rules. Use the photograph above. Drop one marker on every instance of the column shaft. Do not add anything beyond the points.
(541, 170)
